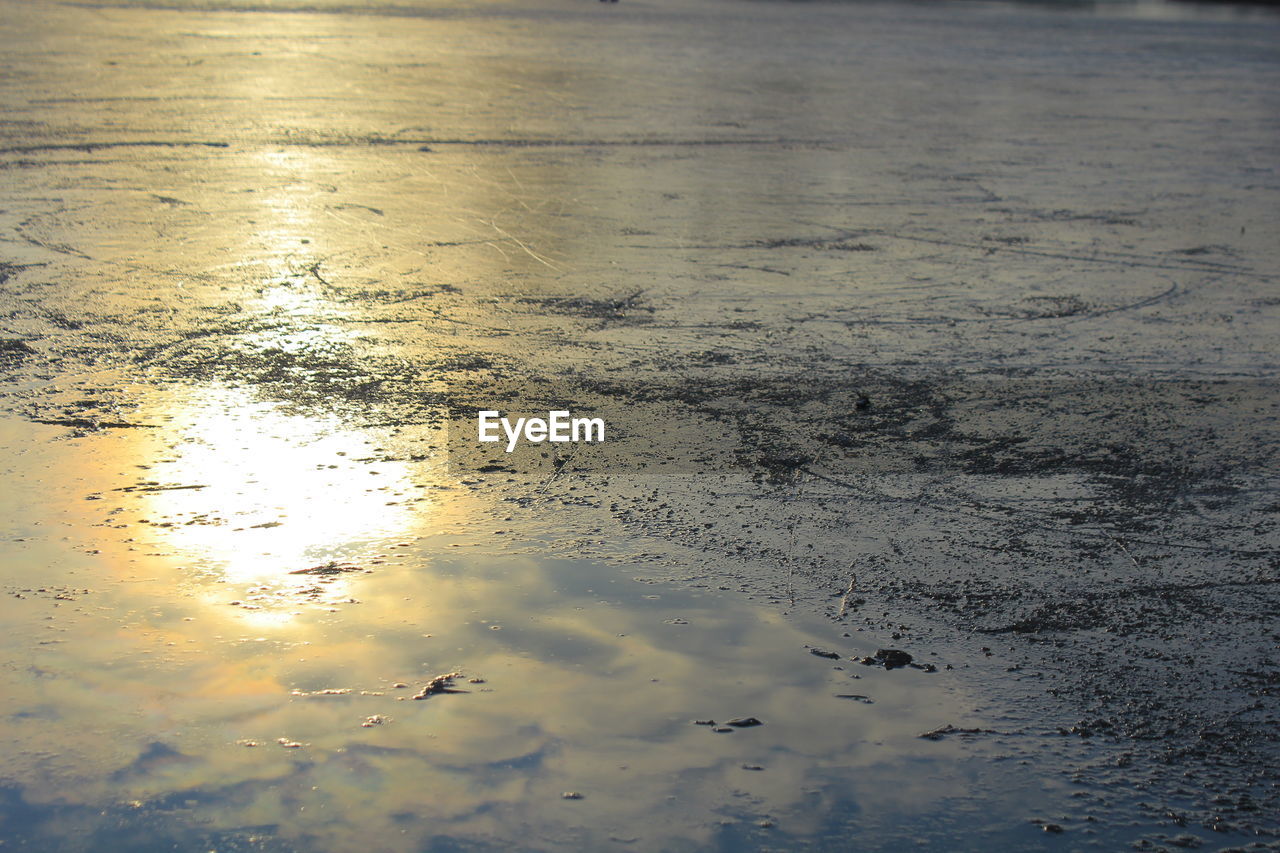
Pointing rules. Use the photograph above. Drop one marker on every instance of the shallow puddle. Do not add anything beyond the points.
(223, 630)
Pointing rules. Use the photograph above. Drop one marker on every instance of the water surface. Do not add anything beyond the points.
(217, 623)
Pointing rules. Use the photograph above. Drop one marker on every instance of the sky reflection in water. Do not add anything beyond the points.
(162, 646)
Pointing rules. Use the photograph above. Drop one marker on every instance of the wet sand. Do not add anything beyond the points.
(940, 328)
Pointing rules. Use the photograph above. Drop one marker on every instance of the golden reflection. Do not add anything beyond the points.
(261, 495)
(590, 684)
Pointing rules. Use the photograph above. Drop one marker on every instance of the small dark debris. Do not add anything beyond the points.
(942, 731)
(87, 423)
(333, 567)
(888, 658)
(439, 684)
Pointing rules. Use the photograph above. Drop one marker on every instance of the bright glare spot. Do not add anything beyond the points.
(277, 492)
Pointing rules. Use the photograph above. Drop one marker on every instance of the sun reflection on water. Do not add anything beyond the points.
(157, 688)
(255, 493)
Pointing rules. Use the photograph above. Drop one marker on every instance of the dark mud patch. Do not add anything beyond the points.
(374, 296)
(91, 423)
(310, 370)
(842, 245)
(630, 308)
(14, 350)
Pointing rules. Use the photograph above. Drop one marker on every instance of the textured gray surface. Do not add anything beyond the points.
(1041, 242)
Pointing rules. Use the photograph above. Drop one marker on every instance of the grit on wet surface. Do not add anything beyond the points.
(950, 328)
(180, 671)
